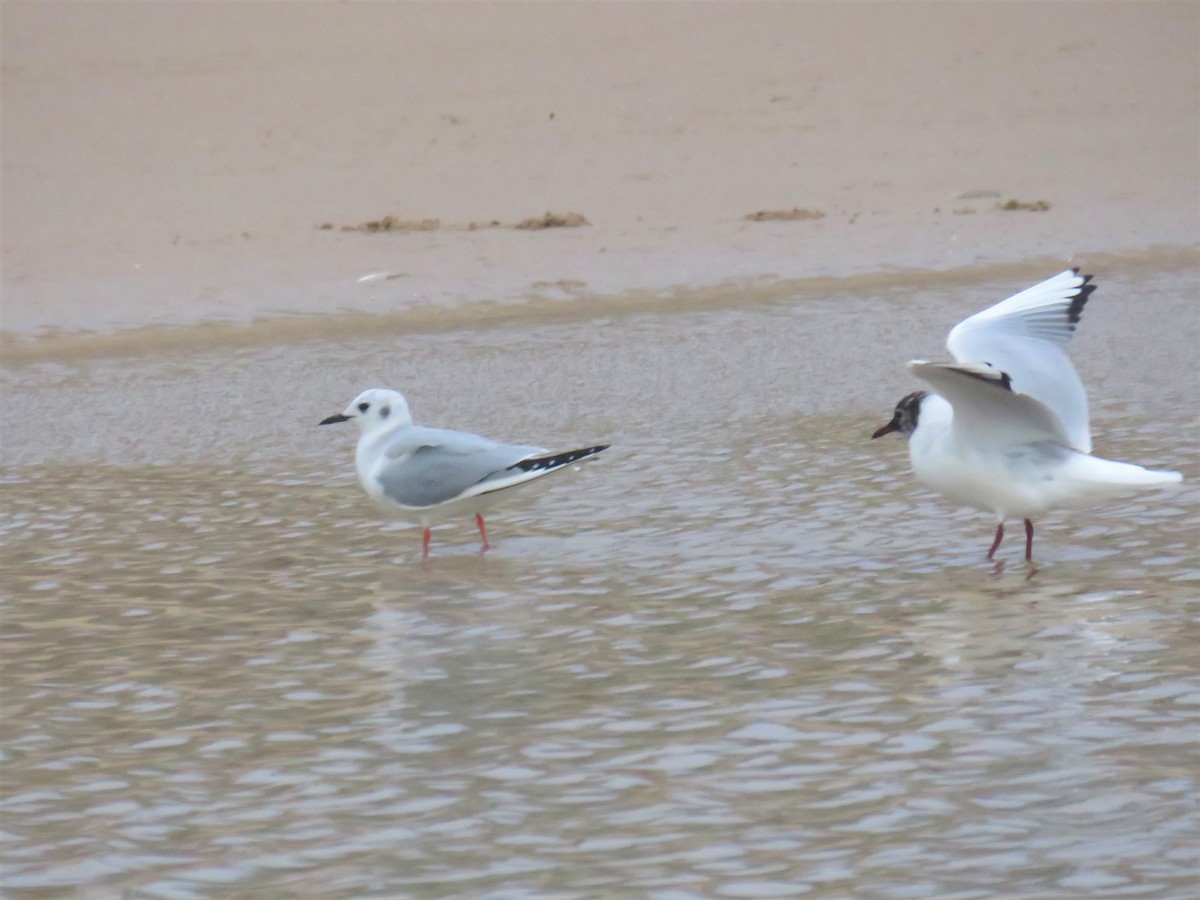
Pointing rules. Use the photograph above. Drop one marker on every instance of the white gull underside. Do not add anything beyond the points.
(1020, 480)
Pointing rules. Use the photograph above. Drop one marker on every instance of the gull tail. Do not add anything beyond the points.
(1095, 478)
(528, 469)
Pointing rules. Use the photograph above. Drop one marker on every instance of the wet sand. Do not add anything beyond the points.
(742, 654)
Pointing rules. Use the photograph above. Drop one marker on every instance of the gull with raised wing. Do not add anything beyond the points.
(429, 474)
(1005, 428)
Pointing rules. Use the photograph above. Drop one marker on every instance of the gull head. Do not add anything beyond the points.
(374, 409)
(904, 420)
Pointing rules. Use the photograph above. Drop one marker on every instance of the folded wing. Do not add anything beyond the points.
(1025, 337)
(432, 466)
(429, 466)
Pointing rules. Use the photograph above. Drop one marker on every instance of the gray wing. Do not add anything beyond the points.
(1026, 336)
(434, 466)
(986, 408)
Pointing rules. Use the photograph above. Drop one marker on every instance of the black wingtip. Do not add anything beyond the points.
(557, 460)
(1075, 310)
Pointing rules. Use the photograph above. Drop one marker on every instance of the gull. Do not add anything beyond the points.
(1005, 428)
(429, 474)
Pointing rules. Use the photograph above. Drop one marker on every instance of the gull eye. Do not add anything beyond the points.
(364, 406)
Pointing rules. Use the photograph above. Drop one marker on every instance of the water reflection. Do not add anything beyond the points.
(773, 667)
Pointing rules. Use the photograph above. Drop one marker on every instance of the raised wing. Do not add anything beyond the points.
(431, 466)
(986, 408)
(1025, 337)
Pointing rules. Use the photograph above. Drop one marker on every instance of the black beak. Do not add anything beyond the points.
(886, 429)
(333, 420)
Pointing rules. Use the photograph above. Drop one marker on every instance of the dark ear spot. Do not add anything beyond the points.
(384, 412)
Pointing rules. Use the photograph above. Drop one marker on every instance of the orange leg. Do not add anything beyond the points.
(482, 530)
(425, 544)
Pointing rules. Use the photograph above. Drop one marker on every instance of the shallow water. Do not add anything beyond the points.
(741, 654)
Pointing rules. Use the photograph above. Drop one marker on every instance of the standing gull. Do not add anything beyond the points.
(1006, 428)
(430, 474)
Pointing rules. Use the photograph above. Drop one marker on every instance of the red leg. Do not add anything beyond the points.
(1029, 540)
(996, 542)
(425, 544)
(482, 531)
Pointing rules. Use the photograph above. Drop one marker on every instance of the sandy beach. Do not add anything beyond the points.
(168, 164)
(741, 654)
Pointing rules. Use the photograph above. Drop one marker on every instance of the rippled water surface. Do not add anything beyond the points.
(740, 655)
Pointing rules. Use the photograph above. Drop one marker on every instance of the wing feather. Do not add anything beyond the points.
(1025, 337)
(432, 466)
(987, 409)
